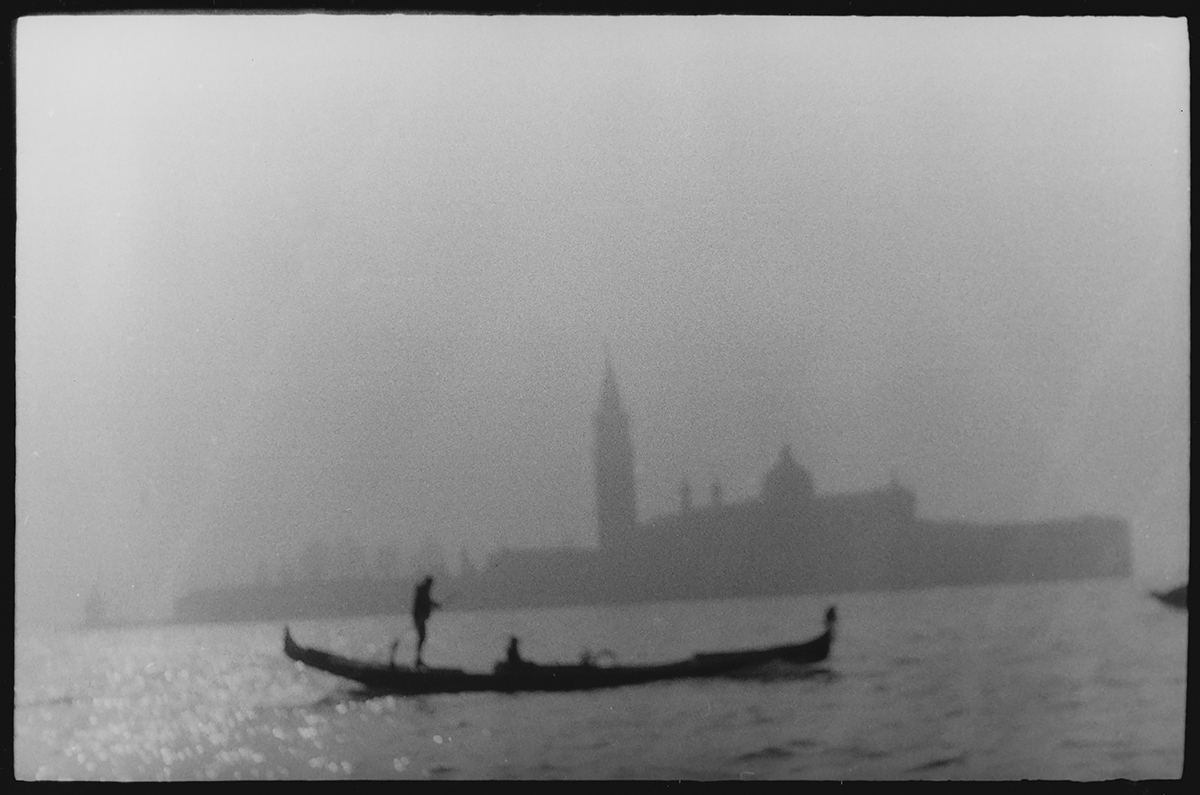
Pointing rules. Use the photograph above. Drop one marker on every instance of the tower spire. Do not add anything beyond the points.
(612, 455)
(610, 395)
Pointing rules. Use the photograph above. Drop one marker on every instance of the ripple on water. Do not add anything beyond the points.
(765, 753)
(440, 771)
(939, 764)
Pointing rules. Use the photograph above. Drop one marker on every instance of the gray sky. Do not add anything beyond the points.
(288, 277)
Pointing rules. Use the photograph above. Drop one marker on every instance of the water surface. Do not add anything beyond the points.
(1077, 681)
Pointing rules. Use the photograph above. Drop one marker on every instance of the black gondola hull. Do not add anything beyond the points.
(530, 677)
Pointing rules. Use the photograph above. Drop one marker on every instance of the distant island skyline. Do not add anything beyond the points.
(787, 539)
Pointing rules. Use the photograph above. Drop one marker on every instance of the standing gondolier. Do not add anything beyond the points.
(423, 605)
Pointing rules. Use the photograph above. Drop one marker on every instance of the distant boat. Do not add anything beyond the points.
(526, 676)
(1176, 597)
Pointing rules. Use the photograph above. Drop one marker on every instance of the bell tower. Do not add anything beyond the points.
(612, 455)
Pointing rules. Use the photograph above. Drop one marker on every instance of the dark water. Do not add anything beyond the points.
(1077, 681)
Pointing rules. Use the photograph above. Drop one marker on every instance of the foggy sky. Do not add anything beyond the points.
(281, 278)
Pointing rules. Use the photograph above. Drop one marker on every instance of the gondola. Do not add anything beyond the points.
(1176, 597)
(536, 677)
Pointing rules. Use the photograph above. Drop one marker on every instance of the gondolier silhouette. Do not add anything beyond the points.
(423, 605)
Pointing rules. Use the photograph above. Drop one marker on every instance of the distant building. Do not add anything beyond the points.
(95, 609)
(787, 539)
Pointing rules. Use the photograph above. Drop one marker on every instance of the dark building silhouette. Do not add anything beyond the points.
(786, 539)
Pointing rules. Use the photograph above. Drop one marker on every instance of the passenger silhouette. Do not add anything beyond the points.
(513, 659)
(423, 605)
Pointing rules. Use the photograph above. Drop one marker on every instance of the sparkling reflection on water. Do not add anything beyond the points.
(1075, 681)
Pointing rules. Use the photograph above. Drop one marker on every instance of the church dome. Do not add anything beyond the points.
(786, 481)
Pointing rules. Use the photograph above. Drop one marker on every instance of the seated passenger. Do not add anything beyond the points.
(513, 659)
(514, 652)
